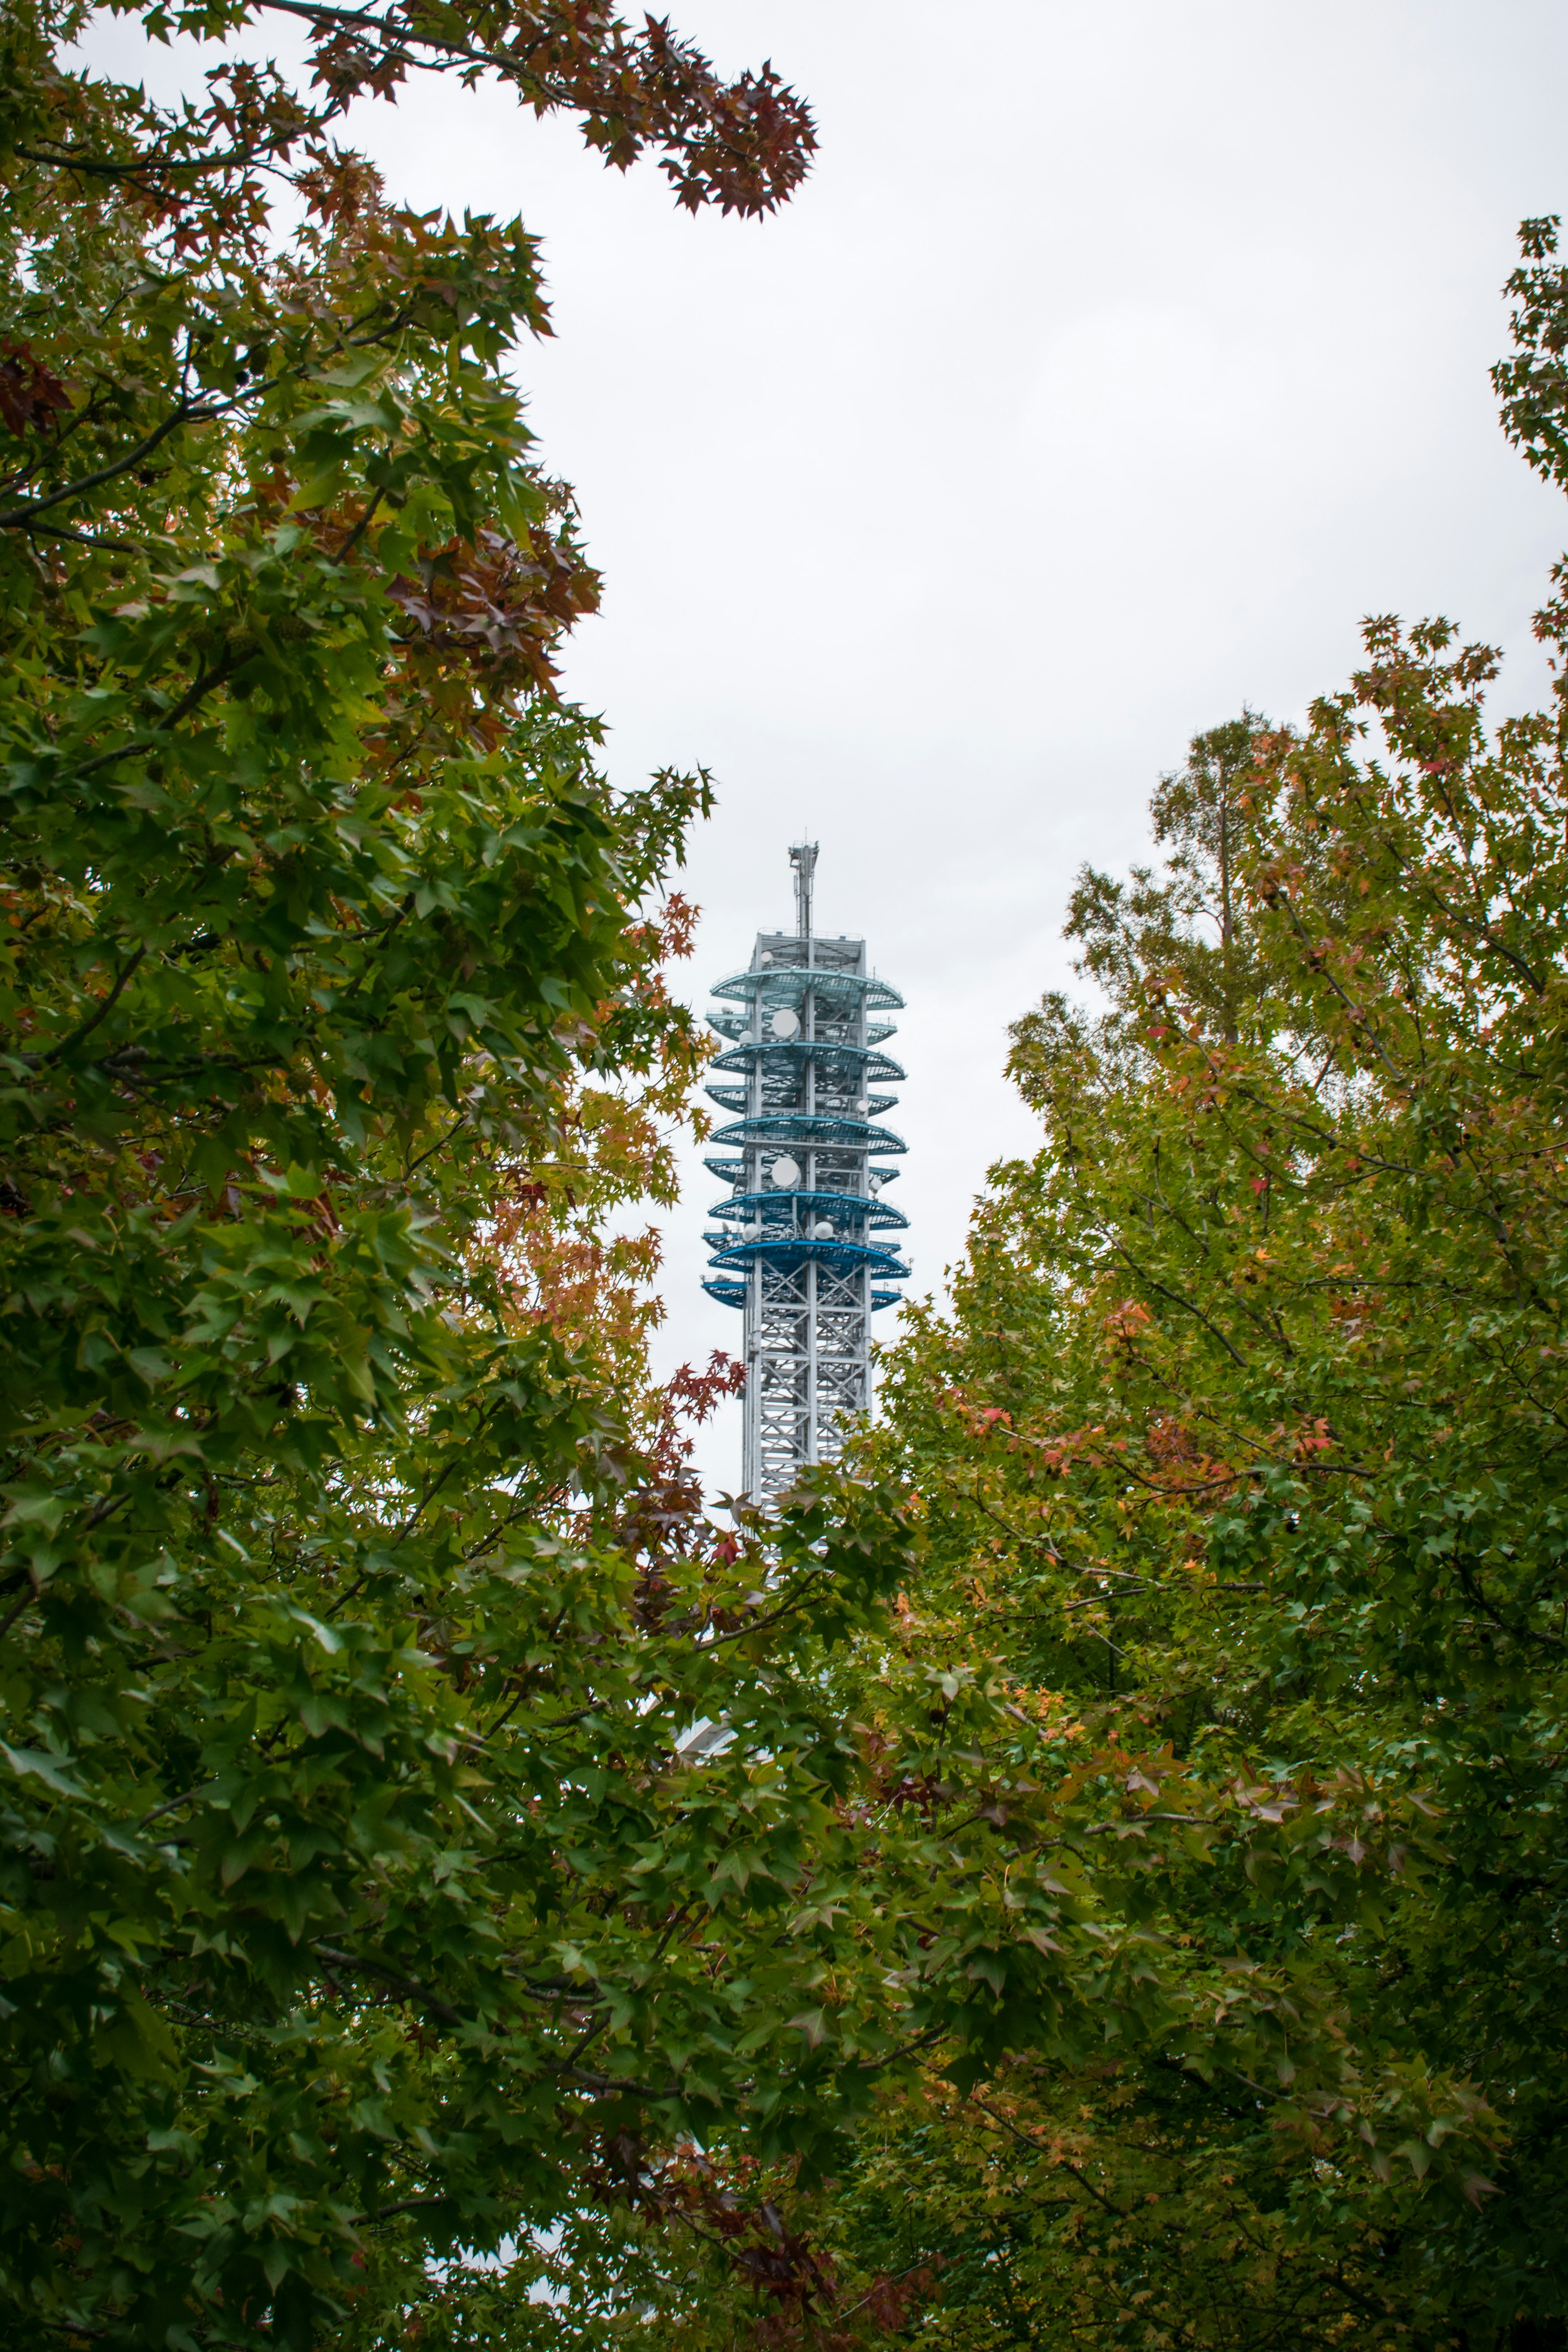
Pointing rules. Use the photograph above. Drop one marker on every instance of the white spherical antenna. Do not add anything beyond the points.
(822, 1231)
(785, 1172)
(873, 1182)
(785, 1023)
(764, 957)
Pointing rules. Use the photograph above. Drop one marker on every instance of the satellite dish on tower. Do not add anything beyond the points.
(785, 1023)
(785, 1172)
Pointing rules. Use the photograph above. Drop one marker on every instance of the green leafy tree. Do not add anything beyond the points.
(1239, 1462)
(353, 1613)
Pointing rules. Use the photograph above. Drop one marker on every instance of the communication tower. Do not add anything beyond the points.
(802, 1243)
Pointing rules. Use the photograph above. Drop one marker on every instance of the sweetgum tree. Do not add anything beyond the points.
(356, 1884)
(1248, 1434)
(1227, 2040)
(1240, 1463)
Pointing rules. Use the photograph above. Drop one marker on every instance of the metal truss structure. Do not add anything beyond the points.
(802, 1243)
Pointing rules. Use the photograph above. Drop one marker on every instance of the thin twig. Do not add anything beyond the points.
(85, 1029)
(406, 2205)
(15, 1609)
(168, 1803)
(1029, 2141)
(22, 517)
(389, 1976)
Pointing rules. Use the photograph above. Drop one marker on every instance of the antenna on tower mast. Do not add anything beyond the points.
(802, 858)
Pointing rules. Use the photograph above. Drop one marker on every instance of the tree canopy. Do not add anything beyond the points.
(1246, 1435)
(1238, 1465)
(357, 1881)
(1090, 1874)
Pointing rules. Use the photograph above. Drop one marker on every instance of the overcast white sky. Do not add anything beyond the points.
(1117, 358)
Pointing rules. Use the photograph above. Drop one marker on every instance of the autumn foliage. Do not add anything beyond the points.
(1089, 1874)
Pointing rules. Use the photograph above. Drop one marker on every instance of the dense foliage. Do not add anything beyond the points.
(1239, 1468)
(1094, 1877)
(353, 1607)
(1249, 1426)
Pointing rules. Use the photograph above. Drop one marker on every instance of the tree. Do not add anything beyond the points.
(356, 1881)
(1241, 1449)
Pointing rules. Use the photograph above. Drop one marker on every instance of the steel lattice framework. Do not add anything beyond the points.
(801, 1246)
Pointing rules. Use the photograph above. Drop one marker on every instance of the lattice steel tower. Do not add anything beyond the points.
(801, 1246)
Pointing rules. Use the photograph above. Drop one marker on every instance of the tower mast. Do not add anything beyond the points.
(803, 1243)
